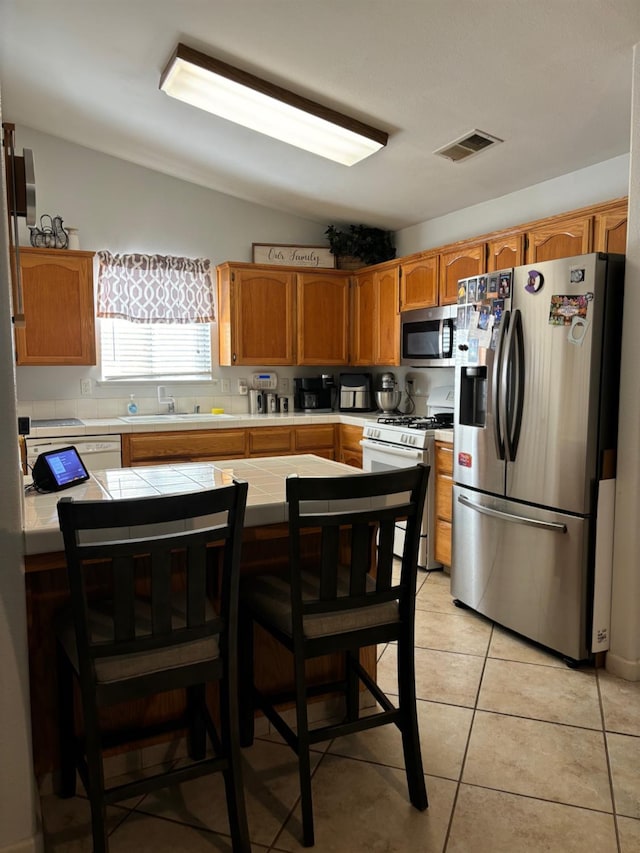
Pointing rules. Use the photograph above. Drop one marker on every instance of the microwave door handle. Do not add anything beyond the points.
(515, 390)
(441, 336)
(499, 413)
(448, 323)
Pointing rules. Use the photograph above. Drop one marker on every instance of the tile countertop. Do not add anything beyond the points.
(107, 426)
(102, 426)
(265, 503)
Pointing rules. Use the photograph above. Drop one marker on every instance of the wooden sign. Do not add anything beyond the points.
(292, 256)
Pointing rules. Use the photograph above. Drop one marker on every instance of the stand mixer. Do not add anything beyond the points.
(387, 394)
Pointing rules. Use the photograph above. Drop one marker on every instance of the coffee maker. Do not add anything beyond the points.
(356, 392)
(313, 393)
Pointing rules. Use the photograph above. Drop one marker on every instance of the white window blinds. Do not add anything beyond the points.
(155, 351)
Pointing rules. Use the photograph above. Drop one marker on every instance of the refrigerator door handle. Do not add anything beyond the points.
(512, 385)
(499, 412)
(508, 516)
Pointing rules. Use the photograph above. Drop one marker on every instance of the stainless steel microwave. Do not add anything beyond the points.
(428, 337)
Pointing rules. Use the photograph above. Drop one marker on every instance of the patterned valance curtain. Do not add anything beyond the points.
(155, 289)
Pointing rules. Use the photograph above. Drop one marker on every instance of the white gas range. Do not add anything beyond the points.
(400, 441)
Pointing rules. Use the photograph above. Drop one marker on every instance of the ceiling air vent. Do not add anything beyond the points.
(469, 144)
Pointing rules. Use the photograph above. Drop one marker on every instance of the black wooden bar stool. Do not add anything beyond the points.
(339, 604)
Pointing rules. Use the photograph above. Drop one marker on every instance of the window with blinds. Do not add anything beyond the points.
(155, 316)
(155, 350)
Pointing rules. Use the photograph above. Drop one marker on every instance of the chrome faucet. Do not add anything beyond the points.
(163, 399)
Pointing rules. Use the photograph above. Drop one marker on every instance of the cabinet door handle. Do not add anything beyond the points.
(233, 357)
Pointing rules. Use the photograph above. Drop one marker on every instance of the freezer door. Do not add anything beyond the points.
(561, 304)
(523, 567)
(479, 422)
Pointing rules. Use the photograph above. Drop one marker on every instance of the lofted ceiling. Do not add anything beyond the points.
(552, 78)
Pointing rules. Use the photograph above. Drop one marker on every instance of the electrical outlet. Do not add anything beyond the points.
(225, 386)
(243, 387)
(284, 385)
(85, 387)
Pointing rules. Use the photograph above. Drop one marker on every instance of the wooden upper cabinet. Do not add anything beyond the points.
(256, 310)
(57, 289)
(388, 324)
(466, 260)
(363, 318)
(561, 238)
(375, 317)
(323, 317)
(610, 230)
(505, 251)
(419, 283)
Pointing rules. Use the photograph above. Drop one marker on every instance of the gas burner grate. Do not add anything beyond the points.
(397, 420)
(442, 420)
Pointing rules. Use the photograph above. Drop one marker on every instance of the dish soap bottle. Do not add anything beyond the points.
(132, 408)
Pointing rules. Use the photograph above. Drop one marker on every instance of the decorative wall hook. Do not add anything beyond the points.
(50, 235)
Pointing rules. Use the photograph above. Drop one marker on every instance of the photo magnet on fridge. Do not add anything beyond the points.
(505, 285)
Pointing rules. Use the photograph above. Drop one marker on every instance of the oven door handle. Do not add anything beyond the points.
(393, 450)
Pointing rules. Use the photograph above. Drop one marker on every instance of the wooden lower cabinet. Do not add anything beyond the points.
(270, 441)
(349, 450)
(320, 440)
(157, 448)
(444, 501)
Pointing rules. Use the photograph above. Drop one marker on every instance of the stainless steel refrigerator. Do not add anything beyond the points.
(536, 380)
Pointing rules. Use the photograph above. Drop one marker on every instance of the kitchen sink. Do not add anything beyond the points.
(175, 417)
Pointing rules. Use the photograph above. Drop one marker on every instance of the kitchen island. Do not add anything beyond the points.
(265, 547)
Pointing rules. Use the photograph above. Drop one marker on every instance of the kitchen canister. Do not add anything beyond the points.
(257, 402)
(74, 238)
(272, 403)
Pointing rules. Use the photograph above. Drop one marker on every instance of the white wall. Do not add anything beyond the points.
(123, 207)
(624, 655)
(594, 184)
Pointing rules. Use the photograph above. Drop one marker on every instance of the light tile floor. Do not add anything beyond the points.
(521, 754)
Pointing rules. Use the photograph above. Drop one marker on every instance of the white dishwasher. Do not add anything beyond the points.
(96, 451)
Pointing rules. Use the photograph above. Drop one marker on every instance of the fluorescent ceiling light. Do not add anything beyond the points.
(240, 97)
